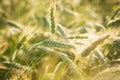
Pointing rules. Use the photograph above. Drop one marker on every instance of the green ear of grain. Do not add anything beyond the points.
(93, 45)
(61, 30)
(113, 23)
(52, 18)
(100, 56)
(70, 63)
(51, 43)
(10, 23)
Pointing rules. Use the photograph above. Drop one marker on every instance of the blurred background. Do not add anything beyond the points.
(24, 23)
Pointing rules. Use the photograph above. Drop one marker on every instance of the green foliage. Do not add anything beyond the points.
(116, 43)
(116, 13)
(114, 50)
(21, 42)
(18, 46)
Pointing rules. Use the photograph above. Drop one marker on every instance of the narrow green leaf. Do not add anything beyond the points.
(18, 46)
(113, 23)
(77, 37)
(115, 13)
(10, 23)
(20, 43)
